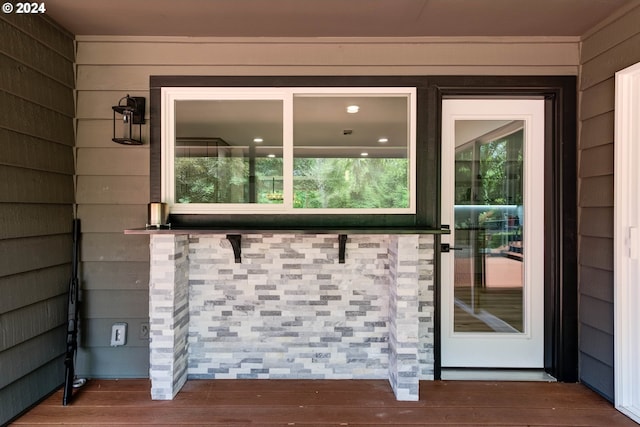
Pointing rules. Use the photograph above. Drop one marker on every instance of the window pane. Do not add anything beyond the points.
(351, 160)
(228, 151)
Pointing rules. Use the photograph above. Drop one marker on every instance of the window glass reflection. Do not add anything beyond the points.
(488, 270)
(351, 151)
(228, 151)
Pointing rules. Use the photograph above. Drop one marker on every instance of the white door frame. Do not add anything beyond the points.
(626, 259)
(498, 350)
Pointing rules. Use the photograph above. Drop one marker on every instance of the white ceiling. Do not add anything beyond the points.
(331, 18)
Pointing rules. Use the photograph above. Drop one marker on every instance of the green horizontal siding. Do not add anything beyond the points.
(37, 112)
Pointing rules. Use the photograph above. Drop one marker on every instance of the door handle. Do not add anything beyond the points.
(446, 247)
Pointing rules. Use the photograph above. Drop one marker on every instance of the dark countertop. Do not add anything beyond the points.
(294, 230)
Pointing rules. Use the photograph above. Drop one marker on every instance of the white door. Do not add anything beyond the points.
(626, 252)
(492, 198)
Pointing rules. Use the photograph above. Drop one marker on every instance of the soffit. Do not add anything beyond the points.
(332, 18)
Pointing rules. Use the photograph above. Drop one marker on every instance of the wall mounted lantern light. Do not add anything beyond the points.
(128, 112)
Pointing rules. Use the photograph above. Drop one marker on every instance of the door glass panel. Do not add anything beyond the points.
(489, 221)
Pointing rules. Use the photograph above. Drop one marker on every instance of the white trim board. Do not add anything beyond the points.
(626, 258)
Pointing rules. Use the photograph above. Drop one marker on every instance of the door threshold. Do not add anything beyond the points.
(471, 374)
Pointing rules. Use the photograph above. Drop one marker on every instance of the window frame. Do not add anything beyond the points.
(170, 95)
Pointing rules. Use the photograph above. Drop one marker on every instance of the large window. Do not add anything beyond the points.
(291, 150)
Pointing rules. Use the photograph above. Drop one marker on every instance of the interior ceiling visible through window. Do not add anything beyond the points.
(320, 122)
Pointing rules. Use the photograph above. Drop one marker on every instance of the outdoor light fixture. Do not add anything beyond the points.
(131, 112)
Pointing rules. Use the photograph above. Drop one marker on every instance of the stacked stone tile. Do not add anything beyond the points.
(168, 315)
(290, 310)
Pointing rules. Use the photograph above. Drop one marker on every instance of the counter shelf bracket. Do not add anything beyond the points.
(342, 244)
(236, 241)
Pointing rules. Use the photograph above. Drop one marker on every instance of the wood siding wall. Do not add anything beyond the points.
(36, 206)
(604, 52)
(113, 180)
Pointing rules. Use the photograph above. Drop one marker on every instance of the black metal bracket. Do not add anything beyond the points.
(342, 245)
(236, 241)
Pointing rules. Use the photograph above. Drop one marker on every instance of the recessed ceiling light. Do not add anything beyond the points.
(352, 109)
(258, 140)
(271, 155)
(364, 154)
(383, 140)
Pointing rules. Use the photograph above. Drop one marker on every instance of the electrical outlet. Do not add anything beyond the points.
(118, 334)
(144, 331)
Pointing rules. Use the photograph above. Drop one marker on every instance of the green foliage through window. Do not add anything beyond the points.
(350, 183)
(318, 182)
(493, 175)
(228, 180)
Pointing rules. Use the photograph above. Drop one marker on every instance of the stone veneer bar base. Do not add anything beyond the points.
(290, 310)
(169, 315)
(403, 317)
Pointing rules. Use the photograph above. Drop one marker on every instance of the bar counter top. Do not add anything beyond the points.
(293, 230)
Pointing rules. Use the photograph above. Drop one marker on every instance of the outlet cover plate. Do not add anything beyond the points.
(118, 334)
(144, 331)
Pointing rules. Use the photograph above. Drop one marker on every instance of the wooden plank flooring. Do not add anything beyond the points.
(328, 403)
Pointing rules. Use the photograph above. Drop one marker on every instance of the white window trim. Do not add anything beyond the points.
(169, 96)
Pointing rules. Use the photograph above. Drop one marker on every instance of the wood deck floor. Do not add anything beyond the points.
(328, 403)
